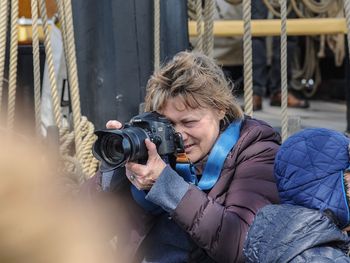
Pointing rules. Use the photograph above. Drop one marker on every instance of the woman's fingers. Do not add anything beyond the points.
(152, 149)
(144, 176)
(113, 124)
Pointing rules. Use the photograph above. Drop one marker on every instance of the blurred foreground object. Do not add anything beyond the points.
(38, 222)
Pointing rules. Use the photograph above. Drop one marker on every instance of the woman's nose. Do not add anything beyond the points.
(182, 132)
(184, 135)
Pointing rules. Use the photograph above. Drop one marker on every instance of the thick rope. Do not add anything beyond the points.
(199, 25)
(248, 59)
(62, 21)
(36, 66)
(66, 137)
(234, 2)
(272, 8)
(156, 34)
(49, 59)
(296, 8)
(208, 41)
(13, 65)
(90, 164)
(3, 32)
(318, 7)
(191, 10)
(64, 134)
(284, 82)
(86, 129)
(73, 77)
(336, 42)
(347, 16)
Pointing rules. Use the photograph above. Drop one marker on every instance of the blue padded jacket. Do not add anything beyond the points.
(309, 171)
(295, 234)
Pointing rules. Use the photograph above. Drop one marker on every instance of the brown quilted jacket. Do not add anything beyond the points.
(219, 221)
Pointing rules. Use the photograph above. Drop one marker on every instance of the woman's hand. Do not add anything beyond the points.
(144, 176)
(113, 124)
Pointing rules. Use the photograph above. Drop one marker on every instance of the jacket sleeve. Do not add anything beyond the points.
(219, 224)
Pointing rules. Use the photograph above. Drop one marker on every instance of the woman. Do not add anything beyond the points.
(199, 223)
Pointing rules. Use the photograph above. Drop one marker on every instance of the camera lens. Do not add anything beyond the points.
(112, 149)
(116, 147)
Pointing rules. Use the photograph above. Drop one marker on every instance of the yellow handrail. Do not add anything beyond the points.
(227, 28)
(272, 27)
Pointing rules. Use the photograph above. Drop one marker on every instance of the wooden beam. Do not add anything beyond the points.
(24, 9)
(25, 34)
(266, 27)
(272, 27)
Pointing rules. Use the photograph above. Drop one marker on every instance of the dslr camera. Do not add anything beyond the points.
(116, 147)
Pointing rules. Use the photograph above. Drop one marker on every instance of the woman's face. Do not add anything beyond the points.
(199, 127)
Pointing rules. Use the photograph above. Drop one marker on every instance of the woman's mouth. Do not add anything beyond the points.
(188, 147)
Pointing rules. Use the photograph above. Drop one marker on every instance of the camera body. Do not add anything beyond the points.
(116, 147)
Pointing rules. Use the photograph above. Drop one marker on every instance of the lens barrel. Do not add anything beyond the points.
(116, 147)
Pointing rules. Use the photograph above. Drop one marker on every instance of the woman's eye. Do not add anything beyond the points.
(189, 123)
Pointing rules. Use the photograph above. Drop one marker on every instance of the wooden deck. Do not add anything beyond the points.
(331, 115)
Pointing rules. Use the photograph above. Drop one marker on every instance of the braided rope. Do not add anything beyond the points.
(284, 82)
(3, 30)
(67, 138)
(66, 141)
(296, 9)
(62, 20)
(36, 66)
(347, 16)
(13, 65)
(156, 34)
(73, 77)
(208, 41)
(271, 7)
(318, 7)
(51, 69)
(199, 25)
(234, 2)
(88, 164)
(247, 58)
(191, 10)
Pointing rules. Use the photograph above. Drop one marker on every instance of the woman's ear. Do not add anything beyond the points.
(221, 114)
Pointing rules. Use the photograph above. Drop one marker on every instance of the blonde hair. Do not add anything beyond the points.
(197, 80)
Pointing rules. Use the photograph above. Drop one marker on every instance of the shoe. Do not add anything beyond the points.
(257, 103)
(293, 102)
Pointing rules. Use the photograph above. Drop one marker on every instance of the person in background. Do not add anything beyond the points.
(310, 225)
(228, 51)
(194, 223)
(263, 78)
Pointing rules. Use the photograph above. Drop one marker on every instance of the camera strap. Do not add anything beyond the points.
(226, 141)
(185, 168)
